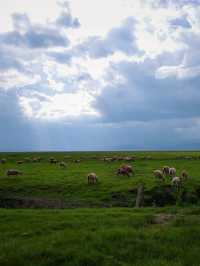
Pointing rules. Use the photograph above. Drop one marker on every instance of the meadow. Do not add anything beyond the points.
(51, 216)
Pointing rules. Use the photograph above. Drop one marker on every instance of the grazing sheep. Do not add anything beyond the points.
(53, 160)
(128, 159)
(125, 170)
(92, 178)
(108, 159)
(165, 170)
(158, 174)
(35, 160)
(176, 181)
(62, 164)
(184, 174)
(13, 172)
(172, 171)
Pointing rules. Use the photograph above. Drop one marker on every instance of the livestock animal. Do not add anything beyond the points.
(125, 170)
(3, 160)
(108, 159)
(37, 159)
(62, 164)
(19, 162)
(92, 178)
(13, 172)
(77, 161)
(172, 171)
(128, 159)
(176, 181)
(158, 174)
(165, 170)
(53, 160)
(184, 174)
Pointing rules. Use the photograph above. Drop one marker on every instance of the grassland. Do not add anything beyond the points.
(103, 228)
(110, 236)
(69, 186)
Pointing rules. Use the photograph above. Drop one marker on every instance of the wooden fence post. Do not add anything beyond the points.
(140, 197)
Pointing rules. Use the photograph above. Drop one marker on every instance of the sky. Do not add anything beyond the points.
(99, 75)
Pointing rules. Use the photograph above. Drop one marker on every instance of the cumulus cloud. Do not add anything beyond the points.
(136, 86)
(32, 36)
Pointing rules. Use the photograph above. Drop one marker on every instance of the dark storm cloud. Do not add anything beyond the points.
(16, 131)
(143, 97)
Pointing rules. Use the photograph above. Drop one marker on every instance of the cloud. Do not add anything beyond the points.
(121, 39)
(35, 36)
(136, 86)
(65, 19)
(144, 97)
(27, 34)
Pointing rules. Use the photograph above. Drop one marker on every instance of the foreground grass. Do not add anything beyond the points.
(95, 237)
(42, 180)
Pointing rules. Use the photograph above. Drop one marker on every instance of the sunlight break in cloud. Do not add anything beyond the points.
(102, 66)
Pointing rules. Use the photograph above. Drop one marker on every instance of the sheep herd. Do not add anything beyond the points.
(124, 170)
(171, 172)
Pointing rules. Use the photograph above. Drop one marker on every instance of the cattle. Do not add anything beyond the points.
(13, 172)
(165, 170)
(158, 174)
(19, 162)
(172, 171)
(125, 170)
(77, 161)
(3, 161)
(92, 178)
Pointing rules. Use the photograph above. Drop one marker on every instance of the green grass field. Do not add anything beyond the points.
(103, 228)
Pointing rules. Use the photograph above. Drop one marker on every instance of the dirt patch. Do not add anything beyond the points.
(30, 203)
(163, 218)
